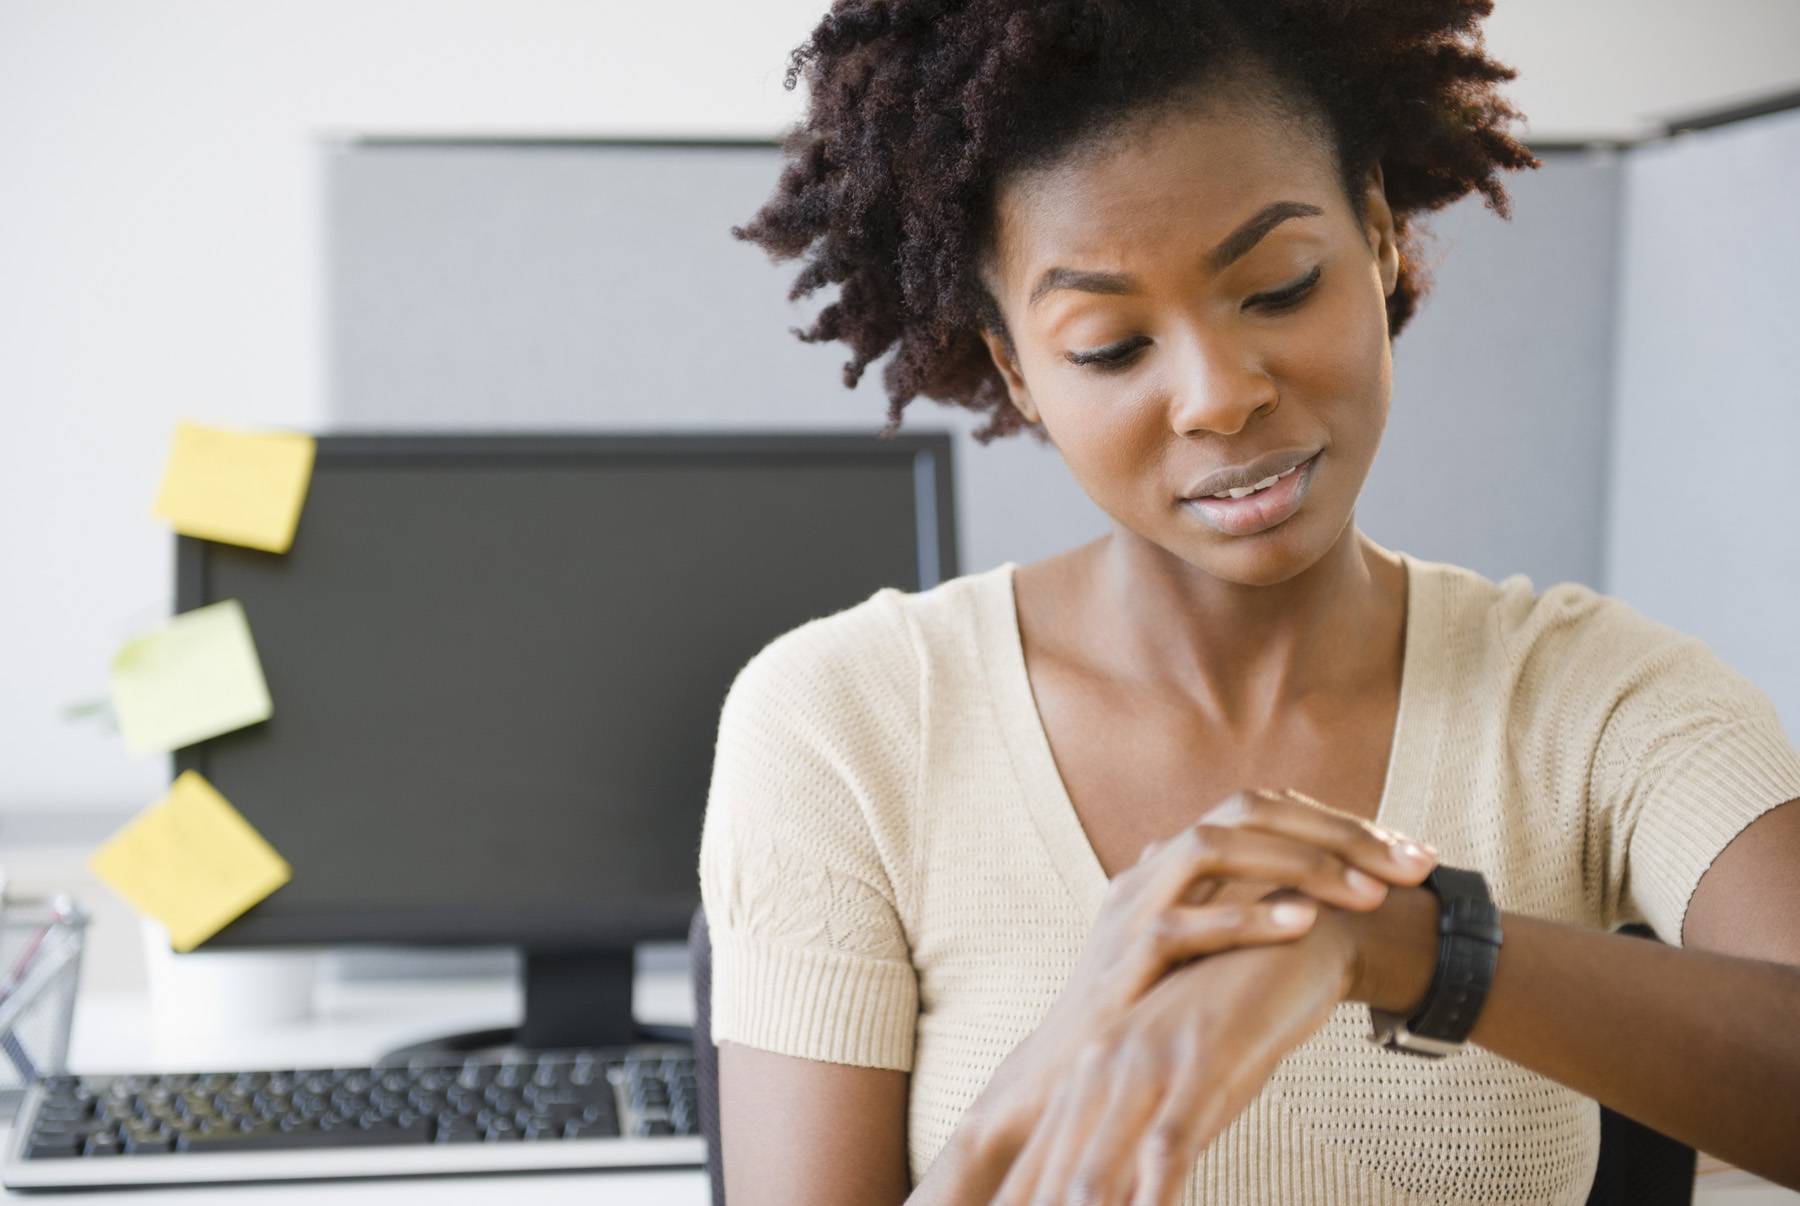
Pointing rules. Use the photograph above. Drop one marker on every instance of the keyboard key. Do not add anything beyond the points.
(503, 1100)
(148, 1144)
(52, 1146)
(276, 1139)
(475, 1075)
(458, 1130)
(63, 1112)
(270, 1102)
(426, 1103)
(606, 1127)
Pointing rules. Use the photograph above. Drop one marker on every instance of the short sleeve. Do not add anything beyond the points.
(1690, 754)
(806, 840)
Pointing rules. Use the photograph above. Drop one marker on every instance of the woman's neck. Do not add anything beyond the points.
(1244, 655)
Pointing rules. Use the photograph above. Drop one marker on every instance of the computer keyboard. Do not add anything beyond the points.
(594, 1108)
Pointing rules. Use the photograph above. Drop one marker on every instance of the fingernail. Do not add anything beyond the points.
(1291, 912)
(1413, 852)
(1368, 885)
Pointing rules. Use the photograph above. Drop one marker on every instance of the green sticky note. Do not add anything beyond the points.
(195, 678)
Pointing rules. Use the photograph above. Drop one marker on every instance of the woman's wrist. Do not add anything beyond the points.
(999, 1120)
(1392, 949)
(981, 1149)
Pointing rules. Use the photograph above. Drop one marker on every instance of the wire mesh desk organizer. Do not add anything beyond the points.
(40, 966)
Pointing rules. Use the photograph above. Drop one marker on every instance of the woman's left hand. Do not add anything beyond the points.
(1145, 1097)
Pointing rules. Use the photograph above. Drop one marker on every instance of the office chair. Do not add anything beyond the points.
(1637, 1166)
(706, 1052)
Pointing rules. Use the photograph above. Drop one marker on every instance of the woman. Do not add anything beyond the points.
(992, 869)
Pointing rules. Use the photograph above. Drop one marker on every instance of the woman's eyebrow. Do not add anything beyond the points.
(1231, 248)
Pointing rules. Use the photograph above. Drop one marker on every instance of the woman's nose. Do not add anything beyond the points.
(1218, 385)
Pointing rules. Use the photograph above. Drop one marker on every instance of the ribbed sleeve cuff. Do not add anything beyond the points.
(815, 1004)
(1710, 797)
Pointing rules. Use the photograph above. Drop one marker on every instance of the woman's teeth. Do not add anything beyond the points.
(1264, 484)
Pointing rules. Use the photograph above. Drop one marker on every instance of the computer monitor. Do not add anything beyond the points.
(497, 664)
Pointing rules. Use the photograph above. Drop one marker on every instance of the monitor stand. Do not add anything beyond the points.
(579, 998)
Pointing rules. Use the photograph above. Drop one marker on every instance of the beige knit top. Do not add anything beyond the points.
(894, 875)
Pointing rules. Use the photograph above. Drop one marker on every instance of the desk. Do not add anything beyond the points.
(355, 1023)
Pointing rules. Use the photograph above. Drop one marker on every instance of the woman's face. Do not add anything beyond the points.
(1170, 323)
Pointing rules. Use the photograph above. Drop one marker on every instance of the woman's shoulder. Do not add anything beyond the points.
(1566, 623)
(886, 635)
(872, 655)
(1577, 659)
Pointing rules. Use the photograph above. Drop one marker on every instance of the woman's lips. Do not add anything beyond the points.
(1255, 512)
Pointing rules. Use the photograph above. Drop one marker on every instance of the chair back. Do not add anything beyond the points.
(706, 1052)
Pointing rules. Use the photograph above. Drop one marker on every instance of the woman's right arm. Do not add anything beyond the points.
(800, 1132)
(803, 1130)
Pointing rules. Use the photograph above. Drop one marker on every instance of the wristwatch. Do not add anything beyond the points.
(1468, 949)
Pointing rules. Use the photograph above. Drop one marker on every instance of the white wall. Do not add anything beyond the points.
(1622, 68)
(160, 236)
(1705, 507)
(161, 249)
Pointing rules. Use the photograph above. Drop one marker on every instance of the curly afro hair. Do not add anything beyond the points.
(919, 108)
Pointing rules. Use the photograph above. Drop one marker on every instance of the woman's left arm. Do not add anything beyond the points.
(1700, 1042)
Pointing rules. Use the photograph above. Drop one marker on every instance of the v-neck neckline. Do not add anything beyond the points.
(1411, 752)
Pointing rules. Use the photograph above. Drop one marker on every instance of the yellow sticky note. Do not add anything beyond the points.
(191, 861)
(195, 678)
(237, 487)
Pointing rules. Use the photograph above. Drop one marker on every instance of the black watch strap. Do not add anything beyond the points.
(1469, 940)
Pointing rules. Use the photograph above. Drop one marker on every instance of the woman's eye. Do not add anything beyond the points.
(1284, 299)
(1116, 356)
(1110, 358)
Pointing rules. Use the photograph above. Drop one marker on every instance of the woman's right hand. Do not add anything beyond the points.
(1175, 905)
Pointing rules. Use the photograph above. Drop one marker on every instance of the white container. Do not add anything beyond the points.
(226, 991)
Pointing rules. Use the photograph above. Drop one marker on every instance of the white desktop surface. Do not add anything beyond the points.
(355, 1023)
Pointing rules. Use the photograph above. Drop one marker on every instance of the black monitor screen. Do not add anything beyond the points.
(497, 665)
